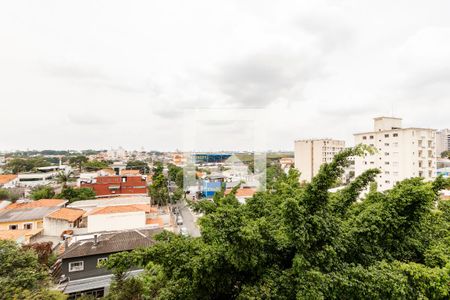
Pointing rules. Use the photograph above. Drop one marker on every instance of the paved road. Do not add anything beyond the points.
(189, 221)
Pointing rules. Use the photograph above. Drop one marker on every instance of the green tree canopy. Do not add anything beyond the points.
(78, 161)
(75, 194)
(42, 192)
(21, 274)
(95, 165)
(140, 165)
(302, 242)
(27, 164)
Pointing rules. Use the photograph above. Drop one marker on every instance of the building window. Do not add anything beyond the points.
(99, 260)
(124, 179)
(386, 162)
(28, 226)
(386, 135)
(395, 135)
(386, 144)
(13, 227)
(371, 137)
(364, 137)
(76, 266)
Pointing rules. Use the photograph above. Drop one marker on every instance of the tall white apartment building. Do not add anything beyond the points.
(442, 141)
(311, 154)
(401, 152)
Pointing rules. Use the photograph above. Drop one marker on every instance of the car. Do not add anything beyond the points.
(184, 231)
(179, 220)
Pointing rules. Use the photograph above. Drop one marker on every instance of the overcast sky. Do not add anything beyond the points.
(103, 74)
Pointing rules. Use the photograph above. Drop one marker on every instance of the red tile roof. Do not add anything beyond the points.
(7, 178)
(37, 203)
(243, 192)
(123, 209)
(68, 214)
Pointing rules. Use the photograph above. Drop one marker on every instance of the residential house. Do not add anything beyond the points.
(106, 186)
(61, 220)
(28, 215)
(77, 268)
(119, 217)
(242, 194)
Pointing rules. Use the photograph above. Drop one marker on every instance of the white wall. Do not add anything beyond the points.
(54, 227)
(116, 221)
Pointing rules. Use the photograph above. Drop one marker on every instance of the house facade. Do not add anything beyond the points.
(105, 186)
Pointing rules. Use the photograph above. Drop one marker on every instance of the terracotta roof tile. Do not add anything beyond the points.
(121, 209)
(7, 178)
(16, 234)
(37, 203)
(243, 192)
(68, 214)
(156, 221)
(130, 172)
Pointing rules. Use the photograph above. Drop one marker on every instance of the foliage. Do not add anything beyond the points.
(75, 194)
(78, 161)
(21, 274)
(445, 154)
(19, 165)
(4, 194)
(95, 165)
(158, 190)
(63, 178)
(302, 242)
(176, 175)
(142, 166)
(42, 192)
(43, 250)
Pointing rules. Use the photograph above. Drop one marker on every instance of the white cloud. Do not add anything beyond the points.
(108, 73)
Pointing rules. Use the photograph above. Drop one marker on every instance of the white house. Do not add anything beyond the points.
(116, 218)
(61, 220)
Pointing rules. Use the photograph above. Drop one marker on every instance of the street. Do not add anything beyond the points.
(188, 220)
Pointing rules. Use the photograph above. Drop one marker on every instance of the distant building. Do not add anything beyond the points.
(105, 186)
(401, 152)
(77, 267)
(210, 158)
(311, 154)
(442, 141)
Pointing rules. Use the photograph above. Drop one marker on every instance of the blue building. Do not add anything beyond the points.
(210, 157)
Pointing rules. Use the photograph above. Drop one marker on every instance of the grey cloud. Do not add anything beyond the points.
(260, 79)
(330, 29)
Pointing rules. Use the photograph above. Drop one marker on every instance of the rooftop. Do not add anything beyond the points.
(25, 214)
(243, 192)
(111, 201)
(18, 234)
(68, 214)
(122, 209)
(7, 178)
(130, 172)
(111, 242)
(37, 203)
